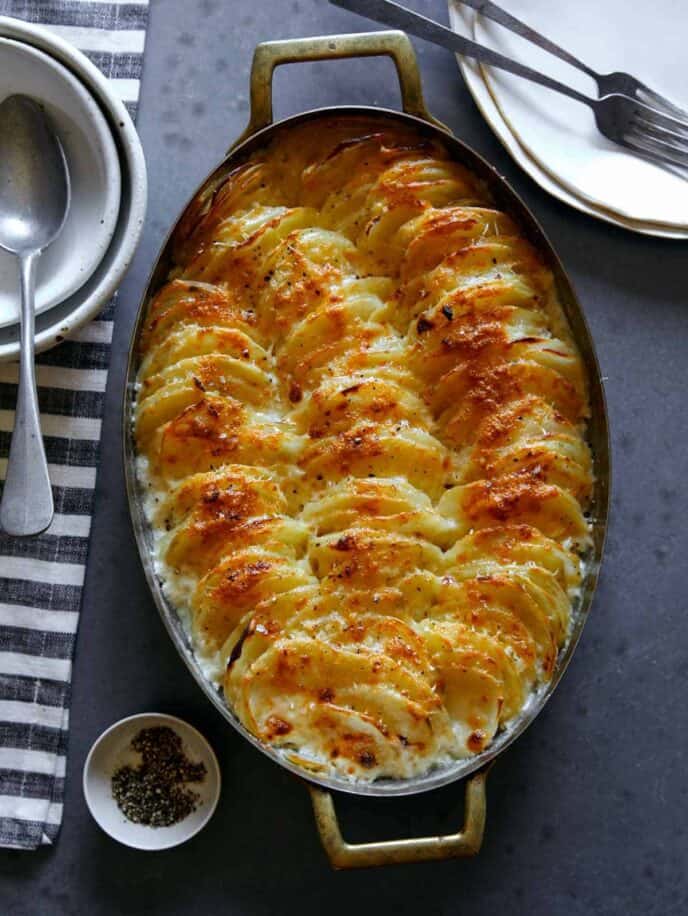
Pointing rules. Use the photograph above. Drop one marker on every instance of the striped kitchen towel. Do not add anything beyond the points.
(41, 578)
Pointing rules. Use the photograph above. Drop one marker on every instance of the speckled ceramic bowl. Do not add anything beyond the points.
(58, 322)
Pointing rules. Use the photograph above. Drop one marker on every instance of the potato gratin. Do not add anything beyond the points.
(361, 423)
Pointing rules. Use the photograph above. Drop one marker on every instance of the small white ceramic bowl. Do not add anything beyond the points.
(62, 320)
(94, 173)
(112, 750)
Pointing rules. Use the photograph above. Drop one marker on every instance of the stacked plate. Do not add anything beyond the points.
(81, 270)
(554, 139)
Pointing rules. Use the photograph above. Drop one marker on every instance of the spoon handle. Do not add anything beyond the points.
(27, 499)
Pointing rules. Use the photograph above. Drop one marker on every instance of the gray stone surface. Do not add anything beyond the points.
(587, 811)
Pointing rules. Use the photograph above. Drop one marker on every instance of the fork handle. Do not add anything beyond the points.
(491, 11)
(398, 17)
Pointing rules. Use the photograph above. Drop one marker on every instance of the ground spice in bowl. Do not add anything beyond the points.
(156, 792)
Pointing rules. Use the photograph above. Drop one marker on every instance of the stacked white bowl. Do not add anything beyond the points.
(79, 273)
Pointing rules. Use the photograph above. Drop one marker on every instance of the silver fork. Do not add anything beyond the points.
(645, 130)
(618, 83)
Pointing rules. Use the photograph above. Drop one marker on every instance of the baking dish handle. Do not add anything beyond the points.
(271, 54)
(396, 852)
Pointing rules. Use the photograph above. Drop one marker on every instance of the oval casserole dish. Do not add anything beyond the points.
(376, 453)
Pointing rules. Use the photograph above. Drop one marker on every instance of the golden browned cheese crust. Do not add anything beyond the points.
(361, 419)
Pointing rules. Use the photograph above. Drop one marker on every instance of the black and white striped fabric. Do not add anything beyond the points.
(41, 578)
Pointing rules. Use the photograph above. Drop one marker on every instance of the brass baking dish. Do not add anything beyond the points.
(396, 45)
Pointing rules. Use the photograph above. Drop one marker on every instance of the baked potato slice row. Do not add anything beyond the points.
(383, 451)
(517, 499)
(236, 585)
(214, 432)
(196, 340)
(441, 231)
(507, 545)
(389, 504)
(187, 303)
(233, 489)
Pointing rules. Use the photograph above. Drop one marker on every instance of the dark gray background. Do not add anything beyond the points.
(587, 812)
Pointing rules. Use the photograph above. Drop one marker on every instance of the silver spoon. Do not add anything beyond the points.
(34, 200)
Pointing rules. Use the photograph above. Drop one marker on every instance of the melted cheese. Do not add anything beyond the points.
(362, 417)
